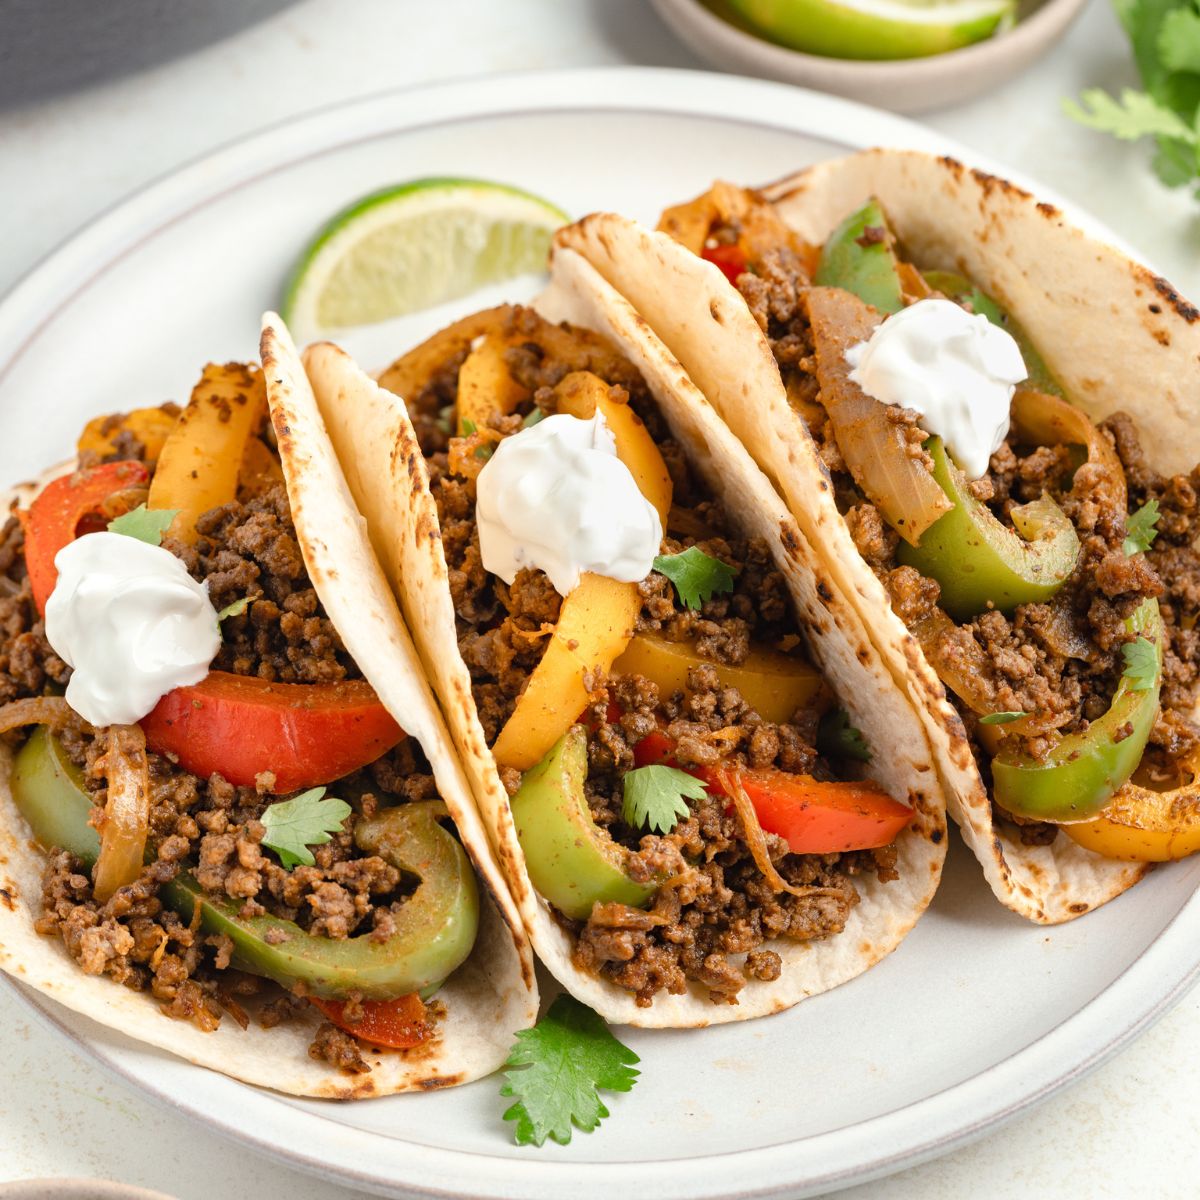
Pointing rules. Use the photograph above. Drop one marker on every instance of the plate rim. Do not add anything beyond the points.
(1078, 1044)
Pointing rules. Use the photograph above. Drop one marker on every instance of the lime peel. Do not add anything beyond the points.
(415, 245)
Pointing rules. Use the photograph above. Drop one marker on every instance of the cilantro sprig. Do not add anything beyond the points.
(1165, 35)
(1002, 718)
(656, 797)
(145, 524)
(697, 576)
(837, 738)
(1141, 664)
(1140, 529)
(557, 1070)
(309, 819)
(235, 609)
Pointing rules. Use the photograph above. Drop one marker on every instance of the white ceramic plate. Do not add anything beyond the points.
(977, 1016)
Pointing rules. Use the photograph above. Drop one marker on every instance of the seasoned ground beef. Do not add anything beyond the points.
(209, 827)
(1059, 660)
(710, 920)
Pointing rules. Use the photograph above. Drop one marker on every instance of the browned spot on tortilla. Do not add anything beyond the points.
(823, 591)
(1078, 908)
(1047, 210)
(714, 311)
(8, 895)
(1161, 336)
(823, 485)
(864, 655)
(1182, 308)
(1155, 308)
(437, 1082)
(790, 542)
(936, 836)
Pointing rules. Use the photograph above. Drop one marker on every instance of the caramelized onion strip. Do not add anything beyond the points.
(126, 821)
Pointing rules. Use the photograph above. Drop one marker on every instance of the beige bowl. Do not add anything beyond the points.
(903, 85)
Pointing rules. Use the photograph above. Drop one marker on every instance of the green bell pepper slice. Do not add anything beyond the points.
(851, 261)
(435, 926)
(573, 863)
(1082, 773)
(962, 291)
(981, 563)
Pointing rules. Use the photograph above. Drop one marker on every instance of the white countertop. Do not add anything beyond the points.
(1131, 1128)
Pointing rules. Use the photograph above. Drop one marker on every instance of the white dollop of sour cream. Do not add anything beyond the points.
(557, 497)
(955, 368)
(132, 623)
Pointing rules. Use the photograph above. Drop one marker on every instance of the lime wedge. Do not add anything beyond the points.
(876, 29)
(414, 245)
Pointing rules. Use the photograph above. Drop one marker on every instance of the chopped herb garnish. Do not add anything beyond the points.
(305, 820)
(146, 524)
(1141, 664)
(656, 797)
(532, 417)
(468, 427)
(235, 609)
(1140, 530)
(1001, 718)
(697, 576)
(837, 738)
(557, 1069)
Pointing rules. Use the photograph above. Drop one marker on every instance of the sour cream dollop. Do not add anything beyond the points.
(557, 497)
(955, 368)
(133, 624)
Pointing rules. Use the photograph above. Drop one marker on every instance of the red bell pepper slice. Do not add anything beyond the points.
(812, 816)
(399, 1023)
(240, 726)
(55, 517)
(730, 258)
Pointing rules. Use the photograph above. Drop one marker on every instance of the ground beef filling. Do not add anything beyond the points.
(246, 549)
(1061, 660)
(711, 921)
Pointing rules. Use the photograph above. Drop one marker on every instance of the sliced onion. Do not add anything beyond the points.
(756, 839)
(53, 711)
(126, 815)
(873, 446)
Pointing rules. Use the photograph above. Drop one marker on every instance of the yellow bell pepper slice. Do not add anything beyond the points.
(485, 385)
(594, 626)
(1142, 825)
(596, 620)
(261, 469)
(151, 427)
(775, 685)
(200, 460)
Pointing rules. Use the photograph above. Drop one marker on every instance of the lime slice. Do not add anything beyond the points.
(876, 29)
(414, 245)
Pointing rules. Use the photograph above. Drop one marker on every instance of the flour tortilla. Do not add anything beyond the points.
(375, 440)
(489, 998)
(1113, 333)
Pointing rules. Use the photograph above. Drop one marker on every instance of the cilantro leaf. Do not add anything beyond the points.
(145, 524)
(1141, 664)
(1134, 116)
(557, 1068)
(305, 820)
(235, 609)
(697, 576)
(532, 417)
(468, 427)
(1140, 530)
(655, 797)
(837, 738)
(1179, 40)
(1001, 718)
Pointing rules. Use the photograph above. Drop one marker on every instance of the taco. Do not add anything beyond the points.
(239, 808)
(699, 823)
(986, 420)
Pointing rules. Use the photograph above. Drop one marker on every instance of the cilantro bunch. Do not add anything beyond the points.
(1166, 46)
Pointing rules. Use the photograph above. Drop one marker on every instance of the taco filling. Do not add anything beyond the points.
(683, 787)
(1047, 571)
(232, 820)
